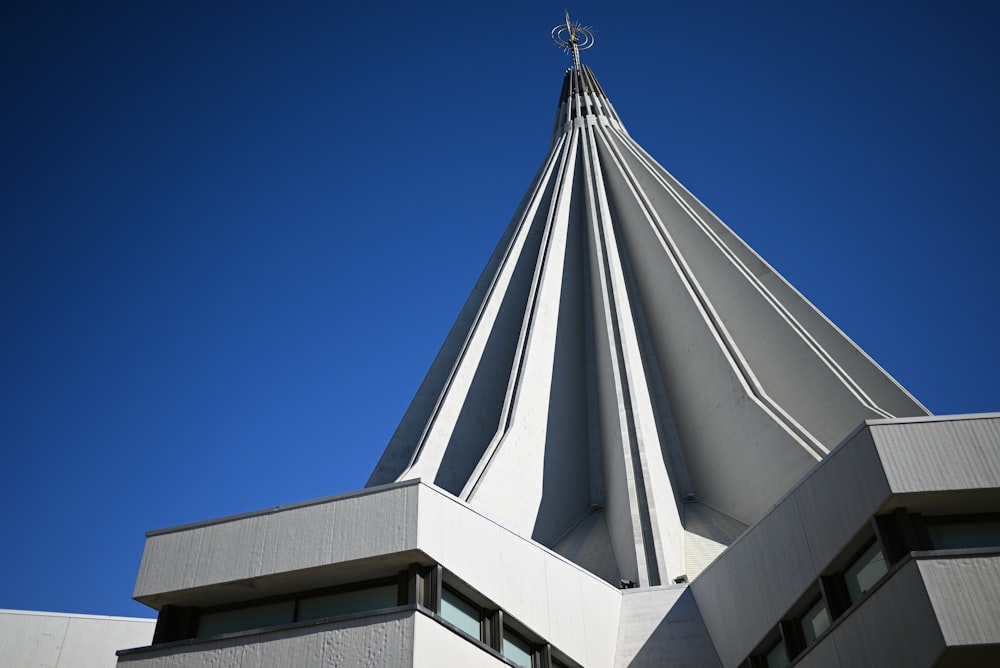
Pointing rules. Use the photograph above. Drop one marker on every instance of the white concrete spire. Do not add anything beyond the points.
(629, 383)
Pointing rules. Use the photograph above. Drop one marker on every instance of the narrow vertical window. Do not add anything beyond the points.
(516, 648)
(459, 612)
(814, 622)
(864, 572)
(778, 656)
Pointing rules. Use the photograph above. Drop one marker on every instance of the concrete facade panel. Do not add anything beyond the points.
(839, 497)
(100, 638)
(339, 529)
(36, 639)
(432, 642)
(522, 578)
(821, 655)
(27, 639)
(567, 606)
(749, 611)
(463, 542)
(965, 594)
(382, 641)
(784, 563)
(940, 454)
(721, 616)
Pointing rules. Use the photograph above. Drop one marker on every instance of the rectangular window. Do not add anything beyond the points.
(814, 621)
(246, 619)
(958, 535)
(516, 648)
(864, 572)
(777, 657)
(461, 613)
(348, 602)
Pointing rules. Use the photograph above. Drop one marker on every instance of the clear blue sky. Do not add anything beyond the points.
(234, 234)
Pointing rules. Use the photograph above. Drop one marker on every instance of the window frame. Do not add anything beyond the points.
(189, 628)
(930, 522)
(445, 587)
(855, 560)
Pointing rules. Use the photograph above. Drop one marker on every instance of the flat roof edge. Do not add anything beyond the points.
(41, 613)
(932, 418)
(364, 491)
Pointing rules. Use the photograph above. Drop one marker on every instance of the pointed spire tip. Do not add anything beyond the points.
(573, 38)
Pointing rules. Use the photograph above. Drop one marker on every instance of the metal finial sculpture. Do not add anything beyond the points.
(573, 38)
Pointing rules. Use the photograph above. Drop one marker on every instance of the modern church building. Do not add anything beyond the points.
(638, 445)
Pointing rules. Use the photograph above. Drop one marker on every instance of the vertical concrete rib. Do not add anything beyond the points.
(620, 428)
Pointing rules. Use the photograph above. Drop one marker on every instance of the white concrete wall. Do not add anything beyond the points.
(435, 645)
(571, 608)
(53, 640)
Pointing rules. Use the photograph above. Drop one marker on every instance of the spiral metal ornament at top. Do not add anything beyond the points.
(573, 38)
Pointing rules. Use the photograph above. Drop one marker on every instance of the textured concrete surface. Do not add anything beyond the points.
(940, 454)
(375, 533)
(177, 564)
(373, 642)
(53, 640)
(965, 595)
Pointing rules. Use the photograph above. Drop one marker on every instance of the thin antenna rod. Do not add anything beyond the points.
(573, 38)
(574, 41)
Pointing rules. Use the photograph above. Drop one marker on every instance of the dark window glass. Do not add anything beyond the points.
(777, 657)
(245, 619)
(814, 621)
(964, 535)
(348, 602)
(864, 572)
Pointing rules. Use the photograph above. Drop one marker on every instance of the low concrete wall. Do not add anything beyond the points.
(32, 639)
